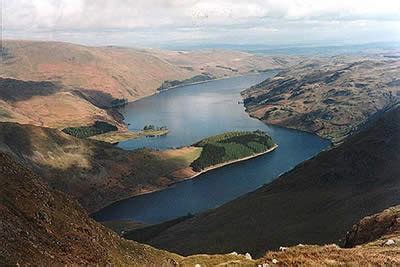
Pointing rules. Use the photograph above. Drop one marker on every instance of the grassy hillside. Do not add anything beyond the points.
(49, 104)
(316, 202)
(327, 96)
(94, 172)
(230, 146)
(43, 227)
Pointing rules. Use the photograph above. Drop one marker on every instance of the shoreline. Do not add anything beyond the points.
(216, 79)
(187, 178)
(207, 81)
(201, 82)
(220, 165)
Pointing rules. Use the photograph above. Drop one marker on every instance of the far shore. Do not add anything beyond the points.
(215, 79)
(207, 81)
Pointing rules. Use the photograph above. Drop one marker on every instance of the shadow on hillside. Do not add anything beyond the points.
(95, 97)
(17, 90)
(101, 100)
(94, 172)
(16, 139)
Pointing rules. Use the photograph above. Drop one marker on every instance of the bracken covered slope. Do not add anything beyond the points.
(315, 203)
(327, 96)
(43, 227)
(94, 172)
(40, 226)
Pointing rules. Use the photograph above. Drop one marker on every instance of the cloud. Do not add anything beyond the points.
(194, 19)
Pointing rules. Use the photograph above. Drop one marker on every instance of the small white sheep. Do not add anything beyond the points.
(283, 248)
(389, 242)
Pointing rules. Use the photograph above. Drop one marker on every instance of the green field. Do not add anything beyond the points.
(230, 146)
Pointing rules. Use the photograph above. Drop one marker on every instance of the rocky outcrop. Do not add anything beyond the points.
(385, 223)
(374, 240)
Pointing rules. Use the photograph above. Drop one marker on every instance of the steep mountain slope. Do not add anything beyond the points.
(39, 226)
(327, 96)
(42, 227)
(316, 202)
(94, 172)
(86, 80)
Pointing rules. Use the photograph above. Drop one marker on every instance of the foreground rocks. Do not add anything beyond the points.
(372, 241)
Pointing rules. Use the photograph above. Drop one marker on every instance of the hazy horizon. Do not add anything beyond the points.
(203, 23)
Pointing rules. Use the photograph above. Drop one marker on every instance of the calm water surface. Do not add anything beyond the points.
(194, 112)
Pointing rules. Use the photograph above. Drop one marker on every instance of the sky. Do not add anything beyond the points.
(163, 23)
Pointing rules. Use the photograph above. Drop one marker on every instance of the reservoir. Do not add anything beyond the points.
(191, 113)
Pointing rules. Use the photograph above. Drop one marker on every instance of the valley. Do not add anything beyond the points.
(314, 203)
(70, 136)
(83, 82)
(204, 112)
(200, 133)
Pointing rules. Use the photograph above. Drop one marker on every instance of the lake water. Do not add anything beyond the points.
(194, 112)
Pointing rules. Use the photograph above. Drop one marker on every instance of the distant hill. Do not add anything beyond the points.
(315, 203)
(56, 84)
(327, 96)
